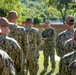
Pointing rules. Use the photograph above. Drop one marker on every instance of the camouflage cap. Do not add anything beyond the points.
(75, 33)
(70, 20)
(5, 22)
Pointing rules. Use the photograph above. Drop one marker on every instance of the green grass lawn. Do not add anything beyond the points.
(41, 58)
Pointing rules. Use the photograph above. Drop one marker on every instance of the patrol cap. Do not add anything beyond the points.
(5, 22)
(70, 20)
(75, 33)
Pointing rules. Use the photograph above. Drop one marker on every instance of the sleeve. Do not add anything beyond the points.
(39, 39)
(62, 67)
(43, 35)
(67, 48)
(53, 35)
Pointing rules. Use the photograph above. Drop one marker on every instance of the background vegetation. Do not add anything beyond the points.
(40, 10)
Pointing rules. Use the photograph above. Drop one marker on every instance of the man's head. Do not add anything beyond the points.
(69, 21)
(23, 23)
(12, 16)
(4, 24)
(47, 23)
(29, 22)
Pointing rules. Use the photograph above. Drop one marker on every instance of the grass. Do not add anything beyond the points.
(41, 58)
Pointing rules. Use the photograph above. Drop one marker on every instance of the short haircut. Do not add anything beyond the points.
(12, 14)
(47, 21)
(29, 19)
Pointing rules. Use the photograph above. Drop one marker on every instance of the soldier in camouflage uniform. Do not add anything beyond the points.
(19, 33)
(6, 64)
(10, 45)
(72, 68)
(65, 35)
(70, 45)
(49, 43)
(65, 61)
(34, 40)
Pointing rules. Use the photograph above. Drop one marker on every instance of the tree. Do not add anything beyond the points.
(61, 5)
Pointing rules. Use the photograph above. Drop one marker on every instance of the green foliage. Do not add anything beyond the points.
(40, 10)
(60, 5)
(38, 20)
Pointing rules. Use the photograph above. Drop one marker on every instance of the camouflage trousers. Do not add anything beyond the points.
(49, 52)
(32, 65)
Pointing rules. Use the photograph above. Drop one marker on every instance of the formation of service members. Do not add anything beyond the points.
(48, 36)
(21, 52)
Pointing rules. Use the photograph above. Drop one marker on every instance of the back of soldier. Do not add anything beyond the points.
(10, 45)
(6, 64)
(34, 40)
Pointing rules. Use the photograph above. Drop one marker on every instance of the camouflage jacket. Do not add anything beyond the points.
(6, 64)
(72, 68)
(61, 39)
(65, 61)
(50, 35)
(19, 33)
(34, 41)
(11, 46)
(69, 46)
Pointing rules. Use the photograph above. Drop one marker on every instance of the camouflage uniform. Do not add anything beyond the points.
(65, 61)
(49, 45)
(34, 40)
(61, 39)
(19, 33)
(72, 68)
(6, 64)
(11, 46)
(69, 46)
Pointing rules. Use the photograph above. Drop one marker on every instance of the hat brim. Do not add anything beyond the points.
(8, 24)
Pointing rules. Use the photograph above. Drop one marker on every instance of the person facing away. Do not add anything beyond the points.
(70, 44)
(10, 45)
(65, 35)
(48, 35)
(34, 41)
(18, 33)
(6, 64)
(23, 23)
